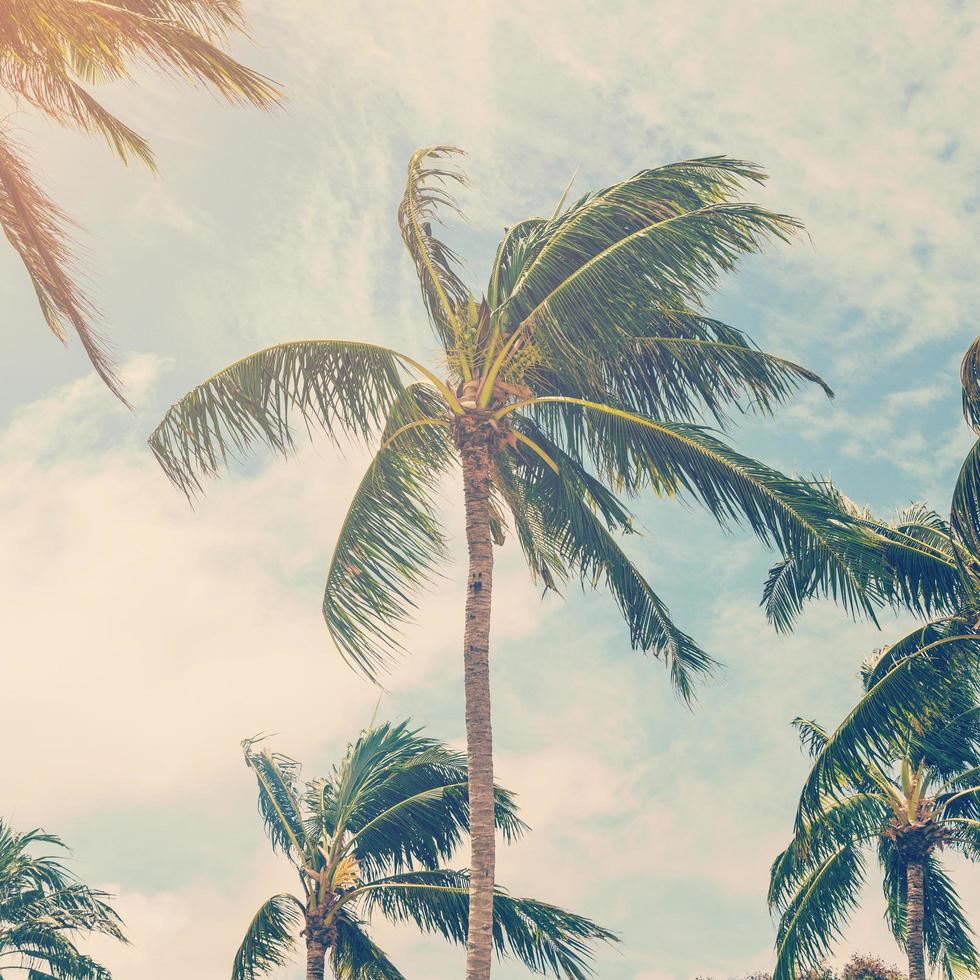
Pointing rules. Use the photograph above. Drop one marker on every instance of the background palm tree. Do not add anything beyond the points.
(44, 909)
(579, 374)
(50, 51)
(919, 795)
(921, 563)
(372, 837)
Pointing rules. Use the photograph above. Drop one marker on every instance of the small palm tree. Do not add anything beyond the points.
(44, 909)
(580, 373)
(915, 797)
(50, 50)
(372, 837)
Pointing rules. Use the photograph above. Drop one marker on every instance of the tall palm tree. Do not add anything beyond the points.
(917, 796)
(50, 51)
(44, 909)
(372, 837)
(582, 372)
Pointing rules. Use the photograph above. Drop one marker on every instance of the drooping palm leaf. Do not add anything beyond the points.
(270, 939)
(400, 800)
(38, 230)
(391, 542)
(637, 452)
(545, 938)
(577, 516)
(356, 957)
(818, 912)
(44, 909)
(949, 939)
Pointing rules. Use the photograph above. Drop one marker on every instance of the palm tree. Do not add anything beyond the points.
(50, 50)
(44, 908)
(918, 562)
(583, 370)
(372, 837)
(915, 797)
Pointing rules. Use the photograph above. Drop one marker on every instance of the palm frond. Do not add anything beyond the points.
(270, 938)
(812, 736)
(443, 292)
(658, 240)
(852, 821)
(970, 380)
(354, 956)
(910, 563)
(346, 388)
(38, 231)
(965, 511)
(545, 938)
(400, 800)
(949, 939)
(50, 88)
(636, 452)
(920, 674)
(279, 799)
(390, 544)
(577, 516)
(818, 912)
(109, 40)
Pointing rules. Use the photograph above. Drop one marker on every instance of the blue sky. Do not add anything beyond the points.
(144, 639)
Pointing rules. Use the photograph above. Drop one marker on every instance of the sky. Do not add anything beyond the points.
(143, 639)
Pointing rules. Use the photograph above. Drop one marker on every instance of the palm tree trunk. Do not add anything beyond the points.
(914, 913)
(316, 955)
(475, 454)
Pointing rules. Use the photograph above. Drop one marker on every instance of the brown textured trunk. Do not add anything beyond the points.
(479, 735)
(914, 913)
(316, 955)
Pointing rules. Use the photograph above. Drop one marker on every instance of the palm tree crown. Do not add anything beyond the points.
(44, 909)
(50, 50)
(918, 794)
(588, 340)
(372, 837)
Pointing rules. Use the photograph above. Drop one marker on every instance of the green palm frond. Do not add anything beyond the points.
(818, 912)
(637, 452)
(919, 674)
(851, 821)
(667, 233)
(965, 513)
(426, 194)
(347, 388)
(970, 380)
(391, 543)
(910, 563)
(577, 516)
(279, 798)
(401, 801)
(682, 365)
(44, 909)
(545, 938)
(949, 938)
(356, 957)
(270, 938)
